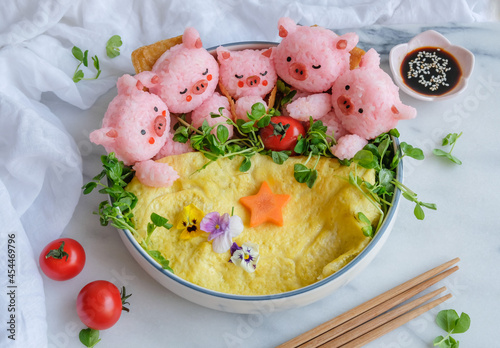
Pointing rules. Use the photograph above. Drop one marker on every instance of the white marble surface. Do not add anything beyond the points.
(465, 225)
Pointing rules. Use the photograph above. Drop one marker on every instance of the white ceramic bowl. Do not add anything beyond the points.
(431, 38)
(265, 303)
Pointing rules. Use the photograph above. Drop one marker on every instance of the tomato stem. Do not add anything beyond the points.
(125, 297)
(58, 253)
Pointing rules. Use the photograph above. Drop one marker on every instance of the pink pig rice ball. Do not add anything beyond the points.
(130, 124)
(367, 100)
(184, 76)
(311, 58)
(247, 72)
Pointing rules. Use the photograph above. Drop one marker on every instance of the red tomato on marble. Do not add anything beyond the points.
(62, 259)
(99, 305)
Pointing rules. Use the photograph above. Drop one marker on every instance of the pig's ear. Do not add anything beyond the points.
(104, 136)
(191, 38)
(268, 53)
(346, 42)
(145, 79)
(127, 84)
(371, 59)
(223, 54)
(403, 112)
(286, 26)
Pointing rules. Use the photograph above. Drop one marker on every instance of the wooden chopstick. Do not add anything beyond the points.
(377, 310)
(353, 313)
(371, 325)
(393, 324)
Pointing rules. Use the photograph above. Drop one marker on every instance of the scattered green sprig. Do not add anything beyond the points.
(449, 321)
(380, 156)
(316, 143)
(112, 46)
(449, 140)
(118, 210)
(157, 221)
(82, 57)
(112, 50)
(368, 228)
(215, 146)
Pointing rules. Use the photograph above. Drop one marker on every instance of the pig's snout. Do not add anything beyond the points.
(345, 105)
(160, 125)
(253, 81)
(199, 87)
(298, 71)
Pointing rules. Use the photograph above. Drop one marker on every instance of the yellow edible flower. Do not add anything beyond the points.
(190, 222)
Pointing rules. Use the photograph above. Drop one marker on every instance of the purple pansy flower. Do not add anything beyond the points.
(222, 229)
(247, 256)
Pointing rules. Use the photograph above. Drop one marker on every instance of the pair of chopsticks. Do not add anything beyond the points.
(379, 315)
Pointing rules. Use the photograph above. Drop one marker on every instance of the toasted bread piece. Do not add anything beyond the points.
(145, 57)
(356, 54)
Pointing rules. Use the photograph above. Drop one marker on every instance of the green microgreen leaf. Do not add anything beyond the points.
(279, 157)
(258, 110)
(112, 46)
(264, 121)
(85, 60)
(89, 337)
(362, 217)
(160, 221)
(222, 133)
(245, 165)
(77, 53)
(312, 178)
(78, 76)
(411, 151)
(301, 172)
(158, 257)
(449, 321)
(451, 140)
(366, 159)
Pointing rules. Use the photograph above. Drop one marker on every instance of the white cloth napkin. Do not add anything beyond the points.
(40, 163)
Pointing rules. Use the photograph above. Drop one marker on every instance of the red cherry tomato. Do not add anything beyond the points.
(282, 133)
(62, 259)
(99, 305)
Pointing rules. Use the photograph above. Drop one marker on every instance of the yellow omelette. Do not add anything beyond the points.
(319, 236)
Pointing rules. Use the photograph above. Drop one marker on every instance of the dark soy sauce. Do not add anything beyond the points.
(430, 71)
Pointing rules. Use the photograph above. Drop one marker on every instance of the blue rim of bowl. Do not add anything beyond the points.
(390, 215)
(244, 43)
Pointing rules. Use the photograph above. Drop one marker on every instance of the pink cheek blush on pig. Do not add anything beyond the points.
(184, 76)
(366, 103)
(247, 75)
(135, 127)
(310, 59)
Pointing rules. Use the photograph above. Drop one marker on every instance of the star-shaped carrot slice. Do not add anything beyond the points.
(265, 206)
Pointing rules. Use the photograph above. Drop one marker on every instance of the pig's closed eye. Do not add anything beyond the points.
(316, 66)
(264, 74)
(238, 76)
(206, 72)
(184, 91)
